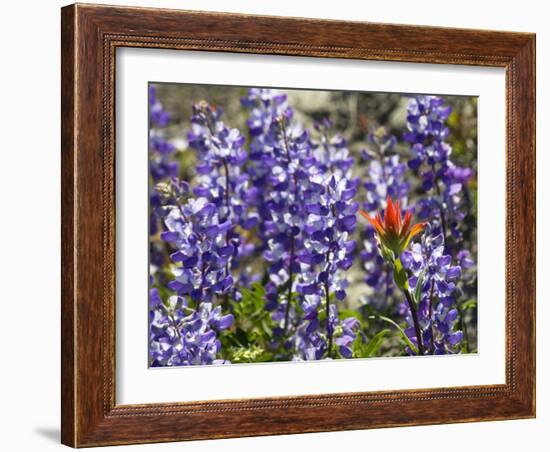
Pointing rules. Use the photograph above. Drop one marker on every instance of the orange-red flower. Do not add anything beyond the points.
(395, 232)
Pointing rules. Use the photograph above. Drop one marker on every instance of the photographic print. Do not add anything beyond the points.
(300, 225)
(270, 210)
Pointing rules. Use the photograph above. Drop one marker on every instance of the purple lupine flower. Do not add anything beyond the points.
(345, 341)
(221, 155)
(180, 336)
(162, 167)
(446, 203)
(202, 253)
(267, 107)
(331, 219)
(283, 207)
(385, 176)
(289, 189)
(309, 343)
(161, 163)
(222, 178)
(200, 226)
(427, 131)
(432, 269)
(158, 115)
(332, 153)
(443, 181)
(184, 329)
(330, 223)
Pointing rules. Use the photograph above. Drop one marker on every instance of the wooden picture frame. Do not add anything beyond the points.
(90, 35)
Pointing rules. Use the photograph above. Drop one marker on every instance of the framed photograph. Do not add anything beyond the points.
(281, 225)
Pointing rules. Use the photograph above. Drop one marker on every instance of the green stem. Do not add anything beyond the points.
(329, 331)
(464, 329)
(401, 280)
(432, 348)
(289, 294)
(414, 314)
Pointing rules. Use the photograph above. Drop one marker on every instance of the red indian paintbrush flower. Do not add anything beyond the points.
(394, 232)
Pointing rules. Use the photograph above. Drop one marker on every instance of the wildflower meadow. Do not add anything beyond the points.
(295, 225)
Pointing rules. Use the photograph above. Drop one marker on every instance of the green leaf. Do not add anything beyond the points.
(401, 332)
(242, 337)
(375, 343)
(470, 304)
(345, 313)
(358, 347)
(253, 354)
(418, 290)
(266, 328)
(228, 339)
(252, 303)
